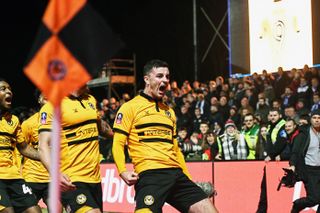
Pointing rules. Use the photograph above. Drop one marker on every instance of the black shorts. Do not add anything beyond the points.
(86, 194)
(40, 190)
(17, 194)
(155, 187)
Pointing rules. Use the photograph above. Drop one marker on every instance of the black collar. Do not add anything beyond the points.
(149, 97)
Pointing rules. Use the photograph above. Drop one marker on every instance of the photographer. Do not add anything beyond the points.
(305, 161)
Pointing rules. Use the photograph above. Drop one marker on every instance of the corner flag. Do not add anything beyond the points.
(73, 42)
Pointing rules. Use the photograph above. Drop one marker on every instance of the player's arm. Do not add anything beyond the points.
(44, 148)
(28, 151)
(119, 141)
(121, 128)
(104, 128)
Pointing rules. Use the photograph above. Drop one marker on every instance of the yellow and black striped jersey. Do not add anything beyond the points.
(33, 171)
(79, 137)
(150, 129)
(10, 135)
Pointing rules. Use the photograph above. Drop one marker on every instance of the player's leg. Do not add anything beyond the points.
(82, 199)
(187, 196)
(152, 189)
(21, 197)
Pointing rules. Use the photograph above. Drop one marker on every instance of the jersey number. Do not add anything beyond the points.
(26, 189)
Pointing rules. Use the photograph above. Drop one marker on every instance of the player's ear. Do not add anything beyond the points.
(146, 79)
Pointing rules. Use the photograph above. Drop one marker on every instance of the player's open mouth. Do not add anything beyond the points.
(162, 88)
(8, 100)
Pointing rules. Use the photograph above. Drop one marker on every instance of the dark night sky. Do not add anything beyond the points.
(150, 28)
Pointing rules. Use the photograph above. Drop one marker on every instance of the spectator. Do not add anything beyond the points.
(197, 119)
(230, 145)
(223, 108)
(261, 154)
(275, 144)
(217, 128)
(288, 98)
(234, 116)
(269, 90)
(301, 108)
(202, 104)
(250, 135)
(184, 119)
(193, 152)
(280, 82)
(290, 113)
(305, 161)
(215, 116)
(304, 91)
(315, 86)
(252, 97)
(315, 101)
(210, 147)
(292, 132)
(245, 105)
(262, 110)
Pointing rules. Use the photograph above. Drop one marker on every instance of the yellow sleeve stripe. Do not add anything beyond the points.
(120, 131)
(141, 126)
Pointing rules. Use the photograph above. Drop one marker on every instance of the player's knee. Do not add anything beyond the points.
(204, 206)
(144, 210)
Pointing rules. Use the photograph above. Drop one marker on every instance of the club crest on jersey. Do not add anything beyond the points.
(10, 122)
(148, 200)
(43, 118)
(91, 105)
(119, 118)
(168, 114)
(81, 199)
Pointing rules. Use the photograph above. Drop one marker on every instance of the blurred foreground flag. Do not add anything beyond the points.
(73, 42)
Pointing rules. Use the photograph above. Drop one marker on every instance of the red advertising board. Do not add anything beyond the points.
(238, 185)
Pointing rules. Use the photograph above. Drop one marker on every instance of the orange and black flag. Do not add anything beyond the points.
(73, 42)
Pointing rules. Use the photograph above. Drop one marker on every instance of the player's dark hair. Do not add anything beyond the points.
(155, 63)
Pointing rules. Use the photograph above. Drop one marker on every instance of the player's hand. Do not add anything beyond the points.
(129, 177)
(278, 158)
(66, 184)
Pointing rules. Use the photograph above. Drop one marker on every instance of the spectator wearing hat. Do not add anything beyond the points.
(230, 145)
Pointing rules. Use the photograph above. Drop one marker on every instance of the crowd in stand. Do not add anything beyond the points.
(234, 111)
